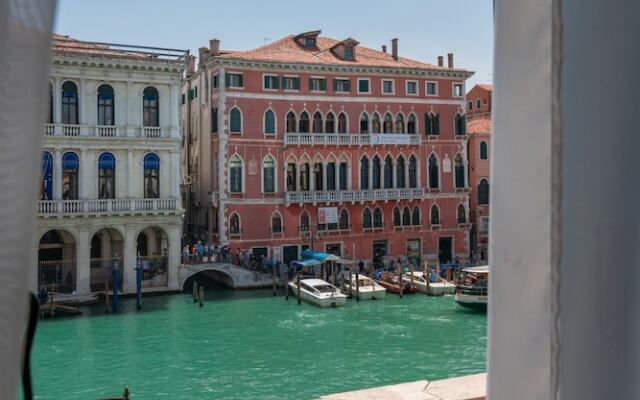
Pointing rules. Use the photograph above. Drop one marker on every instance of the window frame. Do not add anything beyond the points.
(454, 85)
(486, 156)
(271, 158)
(368, 80)
(229, 167)
(264, 123)
(340, 79)
(426, 89)
(228, 80)
(320, 79)
(294, 77)
(264, 82)
(151, 175)
(241, 131)
(393, 87)
(406, 87)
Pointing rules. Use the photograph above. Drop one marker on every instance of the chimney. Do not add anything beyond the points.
(203, 54)
(440, 61)
(394, 48)
(214, 47)
(384, 48)
(450, 60)
(191, 65)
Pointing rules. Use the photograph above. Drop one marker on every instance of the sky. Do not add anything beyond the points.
(425, 28)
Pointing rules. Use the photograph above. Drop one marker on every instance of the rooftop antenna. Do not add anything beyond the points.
(265, 40)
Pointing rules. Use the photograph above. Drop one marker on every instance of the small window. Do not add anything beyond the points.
(317, 84)
(276, 223)
(458, 90)
(484, 151)
(304, 222)
(435, 215)
(234, 80)
(478, 104)
(214, 120)
(269, 122)
(483, 192)
(387, 86)
(462, 214)
(271, 82)
(348, 52)
(363, 86)
(310, 42)
(235, 121)
(235, 174)
(412, 87)
(484, 224)
(216, 80)
(470, 107)
(460, 125)
(291, 83)
(432, 88)
(341, 85)
(234, 224)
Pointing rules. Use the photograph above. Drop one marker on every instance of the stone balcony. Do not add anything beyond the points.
(105, 131)
(351, 139)
(352, 196)
(107, 207)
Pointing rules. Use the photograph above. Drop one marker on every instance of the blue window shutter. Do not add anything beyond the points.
(323, 84)
(226, 80)
(296, 83)
(335, 85)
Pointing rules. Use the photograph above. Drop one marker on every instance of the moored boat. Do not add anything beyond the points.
(435, 286)
(473, 291)
(319, 293)
(365, 288)
(390, 281)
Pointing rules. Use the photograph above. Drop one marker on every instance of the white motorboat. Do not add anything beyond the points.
(365, 288)
(318, 292)
(437, 286)
(473, 291)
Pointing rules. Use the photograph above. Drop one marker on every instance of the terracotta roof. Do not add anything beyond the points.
(288, 50)
(479, 125)
(486, 87)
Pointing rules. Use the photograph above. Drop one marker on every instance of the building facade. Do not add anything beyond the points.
(110, 176)
(312, 142)
(479, 127)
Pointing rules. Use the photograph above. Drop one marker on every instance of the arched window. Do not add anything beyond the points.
(303, 124)
(235, 174)
(435, 215)
(269, 175)
(318, 175)
(107, 176)
(305, 176)
(234, 224)
(106, 114)
(397, 221)
(415, 216)
(406, 216)
(330, 123)
(70, 166)
(364, 173)
(151, 176)
(484, 151)
(377, 218)
(462, 214)
(69, 103)
(331, 175)
(235, 120)
(432, 124)
(291, 122)
(375, 123)
(50, 119)
(343, 173)
(364, 123)
(400, 173)
(483, 192)
(388, 172)
(150, 107)
(46, 178)
(304, 222)
(434, 175)
(413, 172)
(291, 176)
(344, 219)
(317, 122)
(411, 124)
(399, 124)
(276, 223)
(269, 122)
(459, 171)
(366, 218)
(342, 123)
(375, 172)
(388, 124)
(460, 124)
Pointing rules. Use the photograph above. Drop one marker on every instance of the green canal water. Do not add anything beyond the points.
(250, 345)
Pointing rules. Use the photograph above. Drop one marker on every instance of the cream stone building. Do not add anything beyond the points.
(110, 175)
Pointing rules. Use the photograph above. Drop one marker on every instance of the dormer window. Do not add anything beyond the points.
(345, 50)
(307, 40)
(310, 42)
(348, 52)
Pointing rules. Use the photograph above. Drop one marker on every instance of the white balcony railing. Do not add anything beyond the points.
(103, 131)
(106, 131)
(337, 139)
(353, 195)
(105, 206)
(151, 132)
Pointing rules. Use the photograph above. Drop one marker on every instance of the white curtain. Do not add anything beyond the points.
(25, 35)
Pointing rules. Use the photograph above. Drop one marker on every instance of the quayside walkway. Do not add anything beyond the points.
(471, 387)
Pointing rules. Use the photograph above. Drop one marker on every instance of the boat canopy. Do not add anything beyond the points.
(320, 256)
(481, 269)
(306, 263)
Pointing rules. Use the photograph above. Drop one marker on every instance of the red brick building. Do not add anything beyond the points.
(479, 127)
(307, 128)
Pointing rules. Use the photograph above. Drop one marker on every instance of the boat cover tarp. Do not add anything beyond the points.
(320, 256)
(483, 269)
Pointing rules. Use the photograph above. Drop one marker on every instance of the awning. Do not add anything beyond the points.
(320, 256)
(482, 269)
(306, 263)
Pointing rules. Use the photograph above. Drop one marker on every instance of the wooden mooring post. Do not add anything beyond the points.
(201, 296)
(400, 282)
(427, 278)
(357, 286)
(411, 271)
(106, 297)
(298, 288)
(350, 284)
(195, 291)
(51, 307)
(273, 276)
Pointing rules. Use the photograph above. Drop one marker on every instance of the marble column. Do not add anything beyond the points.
(129, 261)
(173, 254)
(83, 258)
(57, 175)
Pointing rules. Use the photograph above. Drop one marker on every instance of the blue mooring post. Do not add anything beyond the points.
(139, 283)
(115, 275)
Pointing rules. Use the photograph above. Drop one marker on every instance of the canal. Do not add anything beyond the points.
(250, 345)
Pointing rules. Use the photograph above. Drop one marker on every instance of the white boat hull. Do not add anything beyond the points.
(478, 302)
(323, 301)
(441, 288)
(367, 294)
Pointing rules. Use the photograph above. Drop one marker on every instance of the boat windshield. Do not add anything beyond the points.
(325, 288)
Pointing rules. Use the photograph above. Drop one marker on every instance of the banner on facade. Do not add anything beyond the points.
(389, 138)
(327, 215)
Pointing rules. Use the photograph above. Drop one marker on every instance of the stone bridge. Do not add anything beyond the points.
(229, 275)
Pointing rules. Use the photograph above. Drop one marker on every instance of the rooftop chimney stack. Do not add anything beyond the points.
(450, 60)
(214, 47)
(384, 48)
(203, 54)
(191, 65)
(394, 48)
(440, 61)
